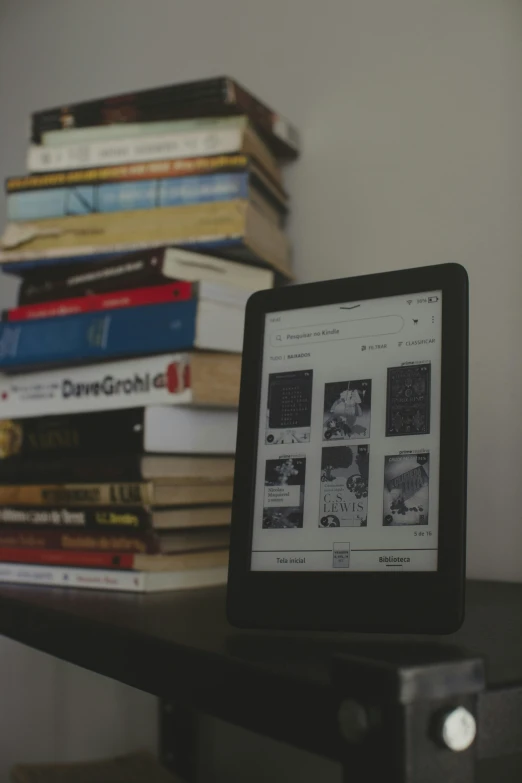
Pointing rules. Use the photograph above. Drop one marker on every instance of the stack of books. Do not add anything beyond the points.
(145, 224)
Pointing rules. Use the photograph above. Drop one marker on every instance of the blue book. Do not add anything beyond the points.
(57, 202)
(135, 331)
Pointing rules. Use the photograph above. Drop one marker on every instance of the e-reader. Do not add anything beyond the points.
(349, 508)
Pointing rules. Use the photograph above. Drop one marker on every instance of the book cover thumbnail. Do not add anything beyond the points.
(406, 489)
(284, 493)
(347, 410)
(344, 486)
(289, 407)
(408, 400)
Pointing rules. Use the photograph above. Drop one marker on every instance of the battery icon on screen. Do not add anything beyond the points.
(433, 298)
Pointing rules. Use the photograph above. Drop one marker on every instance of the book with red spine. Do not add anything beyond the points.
(149, 542)
(136, 297)
(117, 560)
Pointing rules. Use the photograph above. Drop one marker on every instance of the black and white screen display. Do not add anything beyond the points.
(347, 470)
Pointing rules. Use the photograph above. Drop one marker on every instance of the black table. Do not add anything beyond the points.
(378, 704)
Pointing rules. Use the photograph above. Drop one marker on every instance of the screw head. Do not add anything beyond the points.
(458, 729)
(353, 721)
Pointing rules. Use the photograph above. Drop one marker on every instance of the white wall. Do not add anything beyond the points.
(411, 113)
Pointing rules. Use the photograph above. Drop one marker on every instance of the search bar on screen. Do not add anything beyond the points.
(341, 330)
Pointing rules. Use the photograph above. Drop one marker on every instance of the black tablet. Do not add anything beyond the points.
(349, 506)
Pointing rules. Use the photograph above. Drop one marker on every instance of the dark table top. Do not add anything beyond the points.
(179, 646)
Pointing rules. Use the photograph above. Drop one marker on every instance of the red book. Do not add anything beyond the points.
(182, 561)
(68, 558)
(159, 294)
(79, 540)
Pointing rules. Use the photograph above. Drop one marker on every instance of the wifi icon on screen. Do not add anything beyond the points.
(409, 301)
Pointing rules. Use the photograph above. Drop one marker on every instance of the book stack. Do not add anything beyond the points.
(146, 222)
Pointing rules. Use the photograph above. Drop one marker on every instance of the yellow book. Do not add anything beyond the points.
(253, 236)
(148, 493)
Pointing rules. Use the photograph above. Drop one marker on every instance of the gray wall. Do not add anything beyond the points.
(411, 113)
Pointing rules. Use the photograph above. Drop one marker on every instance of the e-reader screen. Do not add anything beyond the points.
(347, 474)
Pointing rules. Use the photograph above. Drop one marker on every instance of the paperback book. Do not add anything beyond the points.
(142, 194)
(235, 228)
(129, 519)
(206, 324)
(135, 270)
(187, 379)
(116, 494)
(113, 579)
(204, 98)
(195, 540)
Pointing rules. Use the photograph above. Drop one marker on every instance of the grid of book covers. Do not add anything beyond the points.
(346, 433)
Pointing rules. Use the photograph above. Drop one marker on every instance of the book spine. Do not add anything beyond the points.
(128, 581)
(218, 226)
(125, 494)
(132, 172)
(178, 100)
(90, 437)
(95, 389)
(135, 297)
(92, 277)
(93, 336)
(220, 96)
(97, 541)
(58, 557)
(279, 133)
(134, 150)
(129, 519)
(70, 468)
(120, 197)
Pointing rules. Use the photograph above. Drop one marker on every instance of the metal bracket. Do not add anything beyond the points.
(409, 723)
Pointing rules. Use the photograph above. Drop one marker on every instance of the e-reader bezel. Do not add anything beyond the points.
(415, 602)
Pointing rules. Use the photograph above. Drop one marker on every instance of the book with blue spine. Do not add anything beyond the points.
(120, 196)
(211, 321)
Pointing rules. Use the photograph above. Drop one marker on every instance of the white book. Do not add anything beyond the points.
(108, 579)
(137, 149)
(179, 264)
(193, 430)
(181, 379)
(127, 130)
